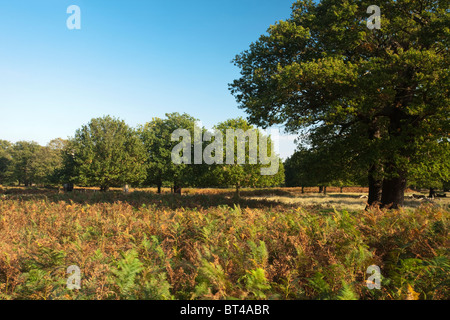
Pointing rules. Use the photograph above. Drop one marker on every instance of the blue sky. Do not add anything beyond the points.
(132, 59)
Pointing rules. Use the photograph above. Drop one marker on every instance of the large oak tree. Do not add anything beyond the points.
(384, 92)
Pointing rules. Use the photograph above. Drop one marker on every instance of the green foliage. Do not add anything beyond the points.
(108, 153)
(156, 287)
(375, 98)
(49, 161)
(319, 285)
(5, 160)
(256, 283)
(320, 167)
(258, 254)
(37, 283)
(125, 275)
(136, 279)
(30, 164)
(347, 293)
(247, 174)
(425, 276)
(56, 150)
(156, 137)
(24, 155)
(212, 280)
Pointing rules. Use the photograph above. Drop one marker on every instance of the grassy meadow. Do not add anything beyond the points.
(271, 244)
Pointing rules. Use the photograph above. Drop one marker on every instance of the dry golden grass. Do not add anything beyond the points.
(349, 201)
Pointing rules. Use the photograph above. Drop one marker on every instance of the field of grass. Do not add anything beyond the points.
(351, 199)
(272, 244)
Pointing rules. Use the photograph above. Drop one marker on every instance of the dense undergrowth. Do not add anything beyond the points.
(147, 246)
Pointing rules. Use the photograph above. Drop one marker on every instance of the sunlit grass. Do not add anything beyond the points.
(349, 201)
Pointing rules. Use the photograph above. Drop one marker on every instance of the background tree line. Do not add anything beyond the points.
(27, 163)
(309, 168)
(107, 153)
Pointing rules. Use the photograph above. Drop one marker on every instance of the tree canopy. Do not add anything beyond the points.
(156, 137)
(5, 160)
(242, 170)
(108, 153)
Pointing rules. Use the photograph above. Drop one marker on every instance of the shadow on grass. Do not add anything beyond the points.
(268, 193)
(344, 195)
(139, 198)
(294, 194)
(261, 198)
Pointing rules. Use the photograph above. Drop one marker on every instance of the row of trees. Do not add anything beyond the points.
(28, 163)
(377, 100)
(311, 168)
(108, 153)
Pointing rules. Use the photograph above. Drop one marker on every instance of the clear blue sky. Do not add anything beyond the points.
(132, 59)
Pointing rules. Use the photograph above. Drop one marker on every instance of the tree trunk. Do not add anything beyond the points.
(176, 189)
(394, 192)
(432, 194)
(375, 187)
(238, 192)
(321, 189)
(394, 187)
(375, 172)
(325, 190)
(303, 190)
(104, 188)
(342, 189)
(159, 189)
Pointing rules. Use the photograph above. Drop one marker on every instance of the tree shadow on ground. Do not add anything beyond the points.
(261, 199)
(345, 195)
(267, 193)
(140, 198)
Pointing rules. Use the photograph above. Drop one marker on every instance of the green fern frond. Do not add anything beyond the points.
(127, 270)
(347, 293)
